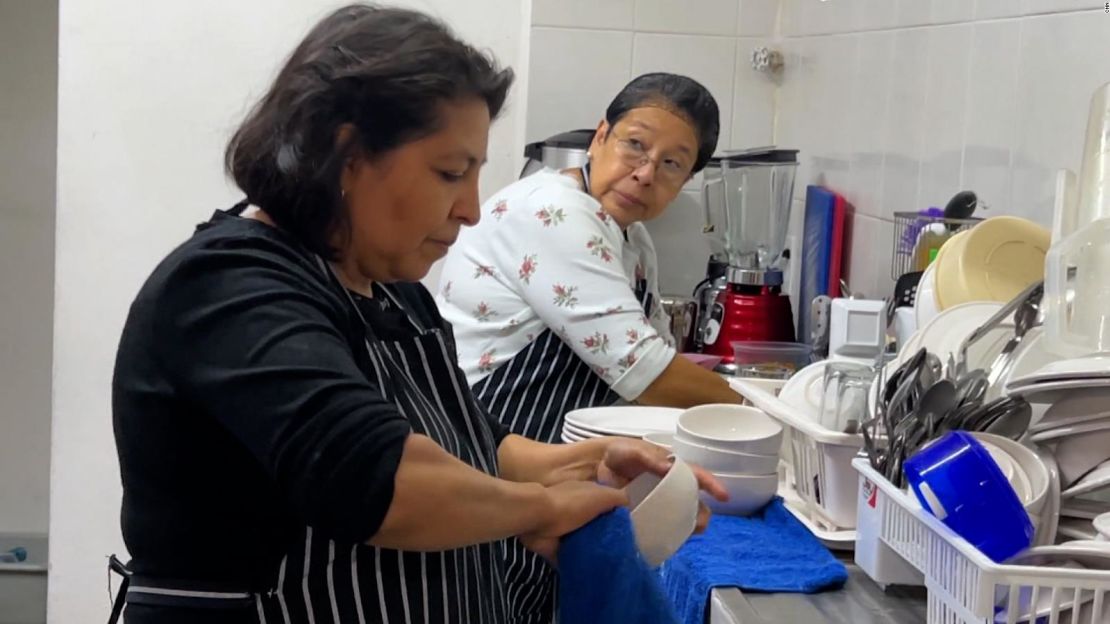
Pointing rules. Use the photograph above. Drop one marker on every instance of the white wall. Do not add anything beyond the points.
(148, 94)
(28, 131)
(900, 104)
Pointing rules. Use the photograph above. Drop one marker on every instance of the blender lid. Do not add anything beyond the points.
(767, 155)
(573, 139)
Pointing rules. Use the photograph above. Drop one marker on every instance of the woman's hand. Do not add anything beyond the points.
(627, 458)
(572, 505)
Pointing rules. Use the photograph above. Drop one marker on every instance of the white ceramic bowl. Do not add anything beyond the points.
(746, 493)
(1102, 525)
(665, 440)
(720, 460)
(664, 511)
(1029, 464)
(1078, 455)
(731, 428)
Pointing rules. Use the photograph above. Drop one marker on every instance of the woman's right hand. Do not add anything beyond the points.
(572, 505)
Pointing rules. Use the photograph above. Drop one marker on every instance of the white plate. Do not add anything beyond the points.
(625, 420)
(1089, 554)
(1086, 509)
(1050, 515)
(1097, 479)
(1067, 431)
(1074, 411)
(1070, 555)
(1030, 356)
(1090, 367)
(1056, 391)
(950, 328)
(580, 432)
(568, 438)
(925, 306)
(1078, 529)
(803, 390)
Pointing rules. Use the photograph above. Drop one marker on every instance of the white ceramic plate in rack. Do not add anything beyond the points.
(1082, 508)
(1056, 391)
(1071, 555)
(1097, 479)
(1087, 553)
(925, 306)
(1030, 356)
(1069, 412)
(1078, 529)
(1050, 515)
(944, 335)
(803, 390)
(625, 420)
(1067, 431)
(1090, 367)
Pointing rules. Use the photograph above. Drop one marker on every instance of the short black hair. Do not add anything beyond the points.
(384, 71)
(679, 94)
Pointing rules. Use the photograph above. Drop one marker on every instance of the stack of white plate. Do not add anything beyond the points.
(740, 446)
(631, 421)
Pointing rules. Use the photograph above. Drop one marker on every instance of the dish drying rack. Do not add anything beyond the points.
(908, 227)
(900, 543)
(818, 482)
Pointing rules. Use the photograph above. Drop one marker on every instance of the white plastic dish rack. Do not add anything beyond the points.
(820, 461)
(899, 542)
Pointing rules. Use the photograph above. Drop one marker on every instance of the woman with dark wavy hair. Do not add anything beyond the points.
(296, 441)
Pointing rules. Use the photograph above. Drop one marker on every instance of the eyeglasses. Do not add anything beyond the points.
(634, 154)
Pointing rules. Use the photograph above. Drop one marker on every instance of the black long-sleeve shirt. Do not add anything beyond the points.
(243, 409)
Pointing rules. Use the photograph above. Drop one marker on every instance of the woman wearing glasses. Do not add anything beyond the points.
(554, 296)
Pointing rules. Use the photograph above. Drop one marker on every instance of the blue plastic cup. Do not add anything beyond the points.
(957, 480)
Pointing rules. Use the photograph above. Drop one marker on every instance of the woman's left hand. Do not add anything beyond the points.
(627, 458)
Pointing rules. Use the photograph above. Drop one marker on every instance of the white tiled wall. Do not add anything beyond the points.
(582, 53)
(897, 104)
(900, 104)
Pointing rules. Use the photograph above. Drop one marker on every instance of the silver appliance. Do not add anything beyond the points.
(562, 151)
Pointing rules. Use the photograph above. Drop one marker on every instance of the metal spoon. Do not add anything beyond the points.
(935, 404)
(972, 387)
(1014, 422)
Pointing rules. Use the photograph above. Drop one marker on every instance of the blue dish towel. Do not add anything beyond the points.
(768, 552)
(604, 580)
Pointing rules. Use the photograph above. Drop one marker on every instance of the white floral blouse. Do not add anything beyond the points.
(546, 256)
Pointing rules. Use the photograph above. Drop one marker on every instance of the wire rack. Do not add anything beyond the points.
(909, 254)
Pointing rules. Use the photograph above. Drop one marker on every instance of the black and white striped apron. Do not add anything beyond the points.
(329, 582)
(321, 581)
(530, 394)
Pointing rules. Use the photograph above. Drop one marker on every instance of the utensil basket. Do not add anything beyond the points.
(964, 586)
(908, 227)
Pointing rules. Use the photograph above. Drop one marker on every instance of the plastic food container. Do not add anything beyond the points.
(770, 360)
(956, 479)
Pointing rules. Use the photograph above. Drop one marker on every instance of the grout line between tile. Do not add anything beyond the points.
(938, 25)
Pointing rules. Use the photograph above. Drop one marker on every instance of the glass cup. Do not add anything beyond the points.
(845, 397)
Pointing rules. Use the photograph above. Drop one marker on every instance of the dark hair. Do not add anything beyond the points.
(679, 94)
(384, 71)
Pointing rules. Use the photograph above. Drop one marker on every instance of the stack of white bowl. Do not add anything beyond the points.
(739, 445)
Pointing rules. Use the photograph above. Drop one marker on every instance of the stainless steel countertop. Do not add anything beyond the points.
(860, 601)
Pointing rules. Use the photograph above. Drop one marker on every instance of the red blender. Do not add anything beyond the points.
(747, 200)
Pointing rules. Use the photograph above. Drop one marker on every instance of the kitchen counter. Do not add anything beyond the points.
(860, 601)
